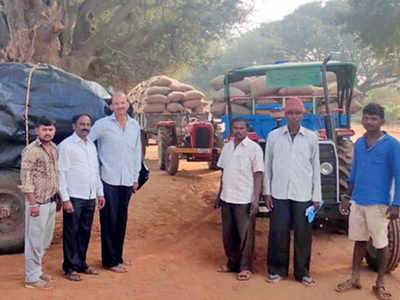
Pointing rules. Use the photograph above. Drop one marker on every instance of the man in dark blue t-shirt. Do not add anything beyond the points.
(376, 164)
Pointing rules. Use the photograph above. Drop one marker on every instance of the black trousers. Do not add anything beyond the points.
(76, 234)
(285, 215)
(113, 218)
(238, 235)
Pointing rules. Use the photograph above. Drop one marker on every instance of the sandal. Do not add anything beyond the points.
(244, 275)
(308, 281)
(46, 277)
(273, 278)
(225, 269)
(347, 285)
(91, 271)
(73, 276)
(381, 293)
(118, 269)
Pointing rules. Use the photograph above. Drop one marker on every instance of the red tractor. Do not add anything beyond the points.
(192, 139)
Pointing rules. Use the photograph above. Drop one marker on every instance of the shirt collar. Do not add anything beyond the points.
(382, 138)
(128, 118)
(77, 139)
(38, 143)
(244, 142)
(286, 130)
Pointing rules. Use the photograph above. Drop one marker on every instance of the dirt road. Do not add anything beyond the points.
(174, 241)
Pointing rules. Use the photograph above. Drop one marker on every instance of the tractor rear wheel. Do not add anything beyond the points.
(12, 213)
(164, 140)
(172, 162)
(345, 155)
(393, 258)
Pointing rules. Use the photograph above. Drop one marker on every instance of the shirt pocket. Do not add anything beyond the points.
(379, 158)
(244, 163)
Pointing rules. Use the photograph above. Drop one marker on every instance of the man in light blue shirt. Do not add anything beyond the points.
(120, 152)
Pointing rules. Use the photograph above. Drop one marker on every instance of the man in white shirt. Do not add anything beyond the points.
(120, 152)
(292, 183)
(242, 167)
(80, 186)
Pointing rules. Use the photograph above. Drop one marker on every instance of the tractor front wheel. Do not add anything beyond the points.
(393, 251)
(172, 162)
(212, 164)
(164, 140)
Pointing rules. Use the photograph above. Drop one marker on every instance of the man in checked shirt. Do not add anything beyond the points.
(39, 177)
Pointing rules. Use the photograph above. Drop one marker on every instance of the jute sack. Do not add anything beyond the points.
(242, 101)
(258, 87)
(218, 108)
(234, 92)
(243, 85)
(174, 107)
(154, 90)
(156, 99)
(175, 96)
(319, 91)
(296, 90)
(218, 83)
(179, 86)
(355, 107)
(194, 103)
(193, 95)
(154, 108)
(267, 101)
(160, 81)
(273, 113)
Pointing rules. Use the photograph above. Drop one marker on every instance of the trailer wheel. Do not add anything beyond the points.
(12, 213)
(165, 139)
(172, 162)
(393, 258)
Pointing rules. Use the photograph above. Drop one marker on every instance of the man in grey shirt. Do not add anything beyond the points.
(120, 152)
(292, 183)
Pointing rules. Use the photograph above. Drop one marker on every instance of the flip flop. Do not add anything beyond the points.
(308, 281)
(73, 276)
(381, 293)
(244, 275)
(91, 271)
(273, 278)
(225, 269)
(347, 285)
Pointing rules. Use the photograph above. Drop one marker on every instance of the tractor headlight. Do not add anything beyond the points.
(326, 168)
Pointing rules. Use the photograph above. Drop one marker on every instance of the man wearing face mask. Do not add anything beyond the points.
(292, 183)
(120, 152)
(242, 167)
(80, 187)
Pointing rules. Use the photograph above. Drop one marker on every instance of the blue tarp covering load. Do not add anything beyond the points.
(53, 93)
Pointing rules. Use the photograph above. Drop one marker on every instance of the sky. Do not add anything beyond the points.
(272, 10)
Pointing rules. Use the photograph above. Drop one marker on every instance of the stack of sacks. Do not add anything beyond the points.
(239, 92)
(257, 88)
(161, 94)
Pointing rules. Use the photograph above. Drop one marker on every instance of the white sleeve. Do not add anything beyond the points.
(63, 167)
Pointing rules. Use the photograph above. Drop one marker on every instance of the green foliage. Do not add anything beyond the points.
(163, 36)
(389, 98)
(376, 23)
(310, 33)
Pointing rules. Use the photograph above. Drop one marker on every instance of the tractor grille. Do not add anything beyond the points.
(329, 183)
(202, 138)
